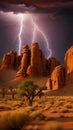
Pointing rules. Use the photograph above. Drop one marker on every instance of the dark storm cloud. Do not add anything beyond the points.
(16, 8)
(60, 7)
(40, 3)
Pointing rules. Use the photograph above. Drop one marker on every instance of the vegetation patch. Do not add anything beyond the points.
(65, 110)
(53, 126)
(37, 115)
(13, 120)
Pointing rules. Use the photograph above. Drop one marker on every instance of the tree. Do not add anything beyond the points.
(3, 92)
(12, 91)
(30, 90)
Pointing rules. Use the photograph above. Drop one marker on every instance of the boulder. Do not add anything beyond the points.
(51, 64)
(68, 62)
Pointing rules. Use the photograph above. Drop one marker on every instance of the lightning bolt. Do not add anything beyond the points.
(20, 33)
(36, 29)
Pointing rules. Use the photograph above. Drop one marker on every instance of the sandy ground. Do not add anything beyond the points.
(66, 123)
(55, 105)
(54, 108)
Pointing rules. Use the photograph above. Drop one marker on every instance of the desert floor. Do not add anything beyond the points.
(44, 110)
(47, 109)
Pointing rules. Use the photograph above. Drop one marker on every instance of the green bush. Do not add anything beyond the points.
(30, 90)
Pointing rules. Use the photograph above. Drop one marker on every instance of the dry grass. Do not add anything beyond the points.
(53, 126)
(69, 105)
(46, 109)
(13, 120)
(65, 110)
(31, 127)
(37, 115)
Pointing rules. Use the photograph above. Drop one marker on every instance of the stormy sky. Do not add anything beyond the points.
(54, 18)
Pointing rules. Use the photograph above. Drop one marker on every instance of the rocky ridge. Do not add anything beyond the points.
(32, 63)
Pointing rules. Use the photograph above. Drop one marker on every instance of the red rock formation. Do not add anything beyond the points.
(24, 62)
(9, 61)
(32, 71)
(37, 62)
(51, 64)
(68, 60)
(33, 64)
(49, 84)
(57, 78)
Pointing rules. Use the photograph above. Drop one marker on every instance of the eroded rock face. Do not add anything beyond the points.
(68, 61)
(37, 62)
(32, 71)
(24, 62)
(32, 63)
(57, 79)
(49, 84)
(9, 61)
(51, 64)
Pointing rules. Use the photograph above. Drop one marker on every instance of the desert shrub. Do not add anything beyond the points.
(49, 118)
(28, 127)
(61, 115)
(5, 108)
(3, 92)
(68, 106)
(37, 115)
(18, 105)
(12, 91)
(52, 102)
(64, 110)
(18, 119)
(35, 105)
(28, 109)
(54, 111)
(13, 121)
(4, 125)
(47, 107)
(53, 126)
(61, 103)
(31, 127)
